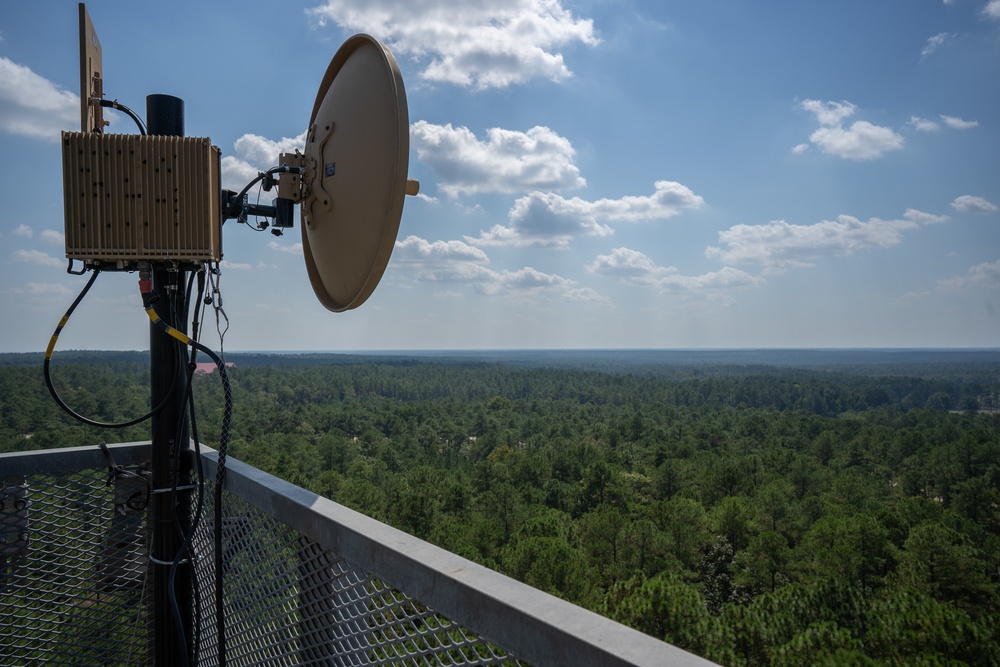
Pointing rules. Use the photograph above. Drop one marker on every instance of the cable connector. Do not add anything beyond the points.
(146, 288)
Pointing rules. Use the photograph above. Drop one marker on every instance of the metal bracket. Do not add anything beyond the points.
(292, 185)
(315, 145)
(69, 269)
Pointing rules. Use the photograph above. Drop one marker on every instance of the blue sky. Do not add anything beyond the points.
(594, 174)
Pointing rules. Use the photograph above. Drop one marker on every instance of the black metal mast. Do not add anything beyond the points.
(171, 459)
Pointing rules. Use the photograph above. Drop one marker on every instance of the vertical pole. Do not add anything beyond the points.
(171, 513)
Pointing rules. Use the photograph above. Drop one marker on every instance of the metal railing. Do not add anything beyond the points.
(74, 556)
(307, 581)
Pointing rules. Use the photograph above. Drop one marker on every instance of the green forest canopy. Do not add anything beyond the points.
(752, 507)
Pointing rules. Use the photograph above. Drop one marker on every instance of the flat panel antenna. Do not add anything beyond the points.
(91, 82)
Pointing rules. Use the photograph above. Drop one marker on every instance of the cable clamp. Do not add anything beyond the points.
(114, 470)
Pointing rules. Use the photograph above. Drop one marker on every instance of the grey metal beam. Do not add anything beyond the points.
(71, 459)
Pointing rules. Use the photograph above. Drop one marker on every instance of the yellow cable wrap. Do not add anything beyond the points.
(55, 336)
(179, 335)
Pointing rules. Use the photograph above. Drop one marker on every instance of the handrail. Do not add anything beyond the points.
(71, 459)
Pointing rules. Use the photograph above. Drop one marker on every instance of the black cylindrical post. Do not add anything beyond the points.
(165, 115)
(171, 459)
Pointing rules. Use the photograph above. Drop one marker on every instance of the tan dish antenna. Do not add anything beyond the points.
(354, 169)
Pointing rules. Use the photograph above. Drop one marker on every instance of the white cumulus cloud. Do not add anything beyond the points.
(475, 43)
(829, 113)
(927, 125)
(53, 236)
(726, 277)
(958, 123)
(291, 249)
(236, 266)
(924, 124)
(550, 220)
(33, 106)
(417, 250)
(442, 261)
(921, 218)
(971, 204)
(934, 43)
(992, 10)
(632, 267)
(506, 161)
(986, 274)
(40, 290)
(254, 154)
(459, 263)
(23, 230)
(778, 245)
(529, 281)
(37, 257)
(859, 141)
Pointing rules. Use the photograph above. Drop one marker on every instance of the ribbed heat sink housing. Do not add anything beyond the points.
(132, 197)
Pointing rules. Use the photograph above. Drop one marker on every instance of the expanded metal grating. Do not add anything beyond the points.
(72, 571)
(289, 601)
(306, 581)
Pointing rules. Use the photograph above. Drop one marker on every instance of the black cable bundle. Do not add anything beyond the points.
(47, 371)
(220, 476)
(187, 412)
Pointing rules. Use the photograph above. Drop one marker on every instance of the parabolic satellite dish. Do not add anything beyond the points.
(356, 157)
